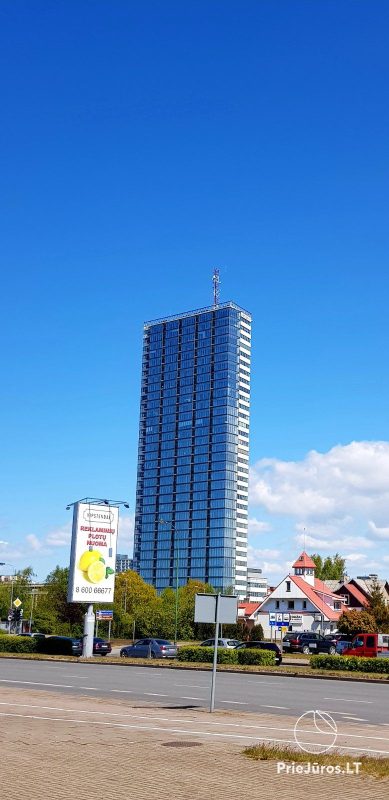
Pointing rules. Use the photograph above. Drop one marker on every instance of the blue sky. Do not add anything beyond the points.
(141, 146)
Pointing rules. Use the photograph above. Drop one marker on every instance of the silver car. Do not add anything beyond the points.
(231, 643)
(150, 648)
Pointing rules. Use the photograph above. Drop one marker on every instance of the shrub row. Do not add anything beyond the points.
(17, 644)
(351, 663)
(225, 655)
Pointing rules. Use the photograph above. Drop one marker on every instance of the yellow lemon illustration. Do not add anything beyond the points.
(95, 572)
(87, 558)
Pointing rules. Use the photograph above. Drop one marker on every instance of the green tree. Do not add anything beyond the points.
(136, 602)
(19, 586)
(353, 622)
(256, 633)
(53, 613)
(187, 629)
(329, 569)
(378, 607)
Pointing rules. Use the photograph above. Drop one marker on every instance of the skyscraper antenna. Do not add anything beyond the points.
(216, 284)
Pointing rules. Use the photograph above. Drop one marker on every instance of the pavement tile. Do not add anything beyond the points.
(62, 758)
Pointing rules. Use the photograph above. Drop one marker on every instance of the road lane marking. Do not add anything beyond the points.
(233, 702)
(187, 732)
(196, 721)
(191, 685)
(38, 683)
(348, 700)
(188, 698)
(154, 694)
(92, 688)
(354, 719)
(284, 708)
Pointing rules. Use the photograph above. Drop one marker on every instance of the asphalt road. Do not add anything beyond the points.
(361, 703)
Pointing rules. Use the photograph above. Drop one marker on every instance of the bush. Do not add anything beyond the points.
(253, 655)
(17, 644)
(351, 663)
(204, 655)
(256, 633)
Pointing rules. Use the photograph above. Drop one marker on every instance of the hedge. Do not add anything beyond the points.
(350, 663)
(227, 655)
(204, 655)
(18, 644)
(253, 655)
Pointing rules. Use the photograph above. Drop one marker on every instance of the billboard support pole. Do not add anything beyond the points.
(89, 627)
(212, 704)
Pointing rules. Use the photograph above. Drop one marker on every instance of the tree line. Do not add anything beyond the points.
(137, 609)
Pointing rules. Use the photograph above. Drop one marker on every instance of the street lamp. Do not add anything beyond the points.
(177, 555)
(7, 564)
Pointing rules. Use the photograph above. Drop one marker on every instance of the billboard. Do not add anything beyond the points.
(93, 553)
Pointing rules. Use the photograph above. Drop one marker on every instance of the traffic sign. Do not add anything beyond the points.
(17, 602)
(102, 614)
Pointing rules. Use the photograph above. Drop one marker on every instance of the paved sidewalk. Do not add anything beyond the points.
(71, 747)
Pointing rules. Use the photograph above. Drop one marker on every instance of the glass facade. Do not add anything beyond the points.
(192, 479)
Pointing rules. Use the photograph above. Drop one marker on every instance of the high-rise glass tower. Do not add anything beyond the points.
(193, 456)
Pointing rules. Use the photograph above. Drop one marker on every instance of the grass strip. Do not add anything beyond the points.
(290, 671)
(375, 766)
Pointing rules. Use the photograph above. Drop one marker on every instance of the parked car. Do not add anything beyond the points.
(34, 635)
(341, 646)
(339, 637)
(323, 645)
(101, 647)
(263, 646)
(60, 645)
(150, 648)
(221, 643)
(301, 642)
(368, 645)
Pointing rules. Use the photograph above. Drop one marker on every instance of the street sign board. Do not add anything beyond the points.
(205, 608)
(102, 614)
(272, 616)
(17, 602)
(93, 553)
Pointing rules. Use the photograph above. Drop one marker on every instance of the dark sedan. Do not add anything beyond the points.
(150, 648)
(101, 647)
(263, 646)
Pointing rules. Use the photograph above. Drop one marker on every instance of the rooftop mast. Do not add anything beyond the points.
(216, 284)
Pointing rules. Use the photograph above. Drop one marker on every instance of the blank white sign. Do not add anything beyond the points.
(205, 608)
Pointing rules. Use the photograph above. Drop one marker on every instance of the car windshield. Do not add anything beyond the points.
(163, 641)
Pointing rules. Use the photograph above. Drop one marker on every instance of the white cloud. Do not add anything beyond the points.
(349, 542)
(356, 558)
(34, 542)
(258, 526)
(380, 532)
(348, 479)
(262, 553)
(60, 537)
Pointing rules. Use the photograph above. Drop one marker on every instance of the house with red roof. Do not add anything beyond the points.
(301, 602)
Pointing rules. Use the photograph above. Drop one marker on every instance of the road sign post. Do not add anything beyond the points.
(216, 608)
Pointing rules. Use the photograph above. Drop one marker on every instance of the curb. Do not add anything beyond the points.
(203, 668)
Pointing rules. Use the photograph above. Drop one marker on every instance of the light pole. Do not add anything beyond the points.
(34, 593)
(7, 564)
(177, 555)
